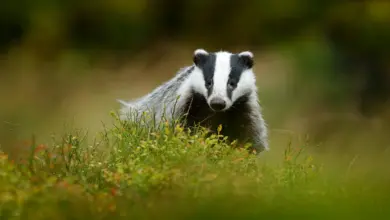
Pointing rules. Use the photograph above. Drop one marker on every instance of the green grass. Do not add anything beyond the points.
(134, 171)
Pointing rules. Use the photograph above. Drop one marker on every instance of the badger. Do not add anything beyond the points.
(218, 89)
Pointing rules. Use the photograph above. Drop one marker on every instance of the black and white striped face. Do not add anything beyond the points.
(223, 77)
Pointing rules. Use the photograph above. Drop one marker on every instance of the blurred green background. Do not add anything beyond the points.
(322, 66)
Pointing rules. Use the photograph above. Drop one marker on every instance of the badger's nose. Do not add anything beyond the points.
(217, 104)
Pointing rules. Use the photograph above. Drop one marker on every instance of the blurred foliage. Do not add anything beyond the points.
(121, 24)
(165, 171)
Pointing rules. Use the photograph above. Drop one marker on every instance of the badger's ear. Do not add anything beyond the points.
(200, 56)
(246, 58)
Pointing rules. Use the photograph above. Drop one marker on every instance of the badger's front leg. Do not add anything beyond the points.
(259, 130)
(260, 142)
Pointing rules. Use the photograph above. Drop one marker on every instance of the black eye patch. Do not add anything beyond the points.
(209, 86)
(238, 64)
(206, 62)
(232, 83)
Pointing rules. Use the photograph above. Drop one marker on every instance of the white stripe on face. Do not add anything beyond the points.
(221, 77)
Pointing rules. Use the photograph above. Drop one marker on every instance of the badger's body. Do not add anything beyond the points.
(218, 89)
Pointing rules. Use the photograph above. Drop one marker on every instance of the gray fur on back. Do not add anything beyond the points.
(161, 101)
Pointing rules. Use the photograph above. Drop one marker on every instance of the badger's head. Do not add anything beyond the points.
(223, 77)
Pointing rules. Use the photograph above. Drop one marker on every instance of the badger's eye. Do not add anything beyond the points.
(209, 84)
(232, 84)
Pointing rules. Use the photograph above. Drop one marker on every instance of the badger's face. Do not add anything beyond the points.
(223, 77)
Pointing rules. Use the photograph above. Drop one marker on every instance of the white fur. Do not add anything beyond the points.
(246, 53)
(221, 77)
(200, 51)
(246, 84)
(195, 82)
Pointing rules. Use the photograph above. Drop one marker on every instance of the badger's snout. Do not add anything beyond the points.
(217, 104)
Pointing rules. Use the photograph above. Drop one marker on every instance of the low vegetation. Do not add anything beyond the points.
(167, 172)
